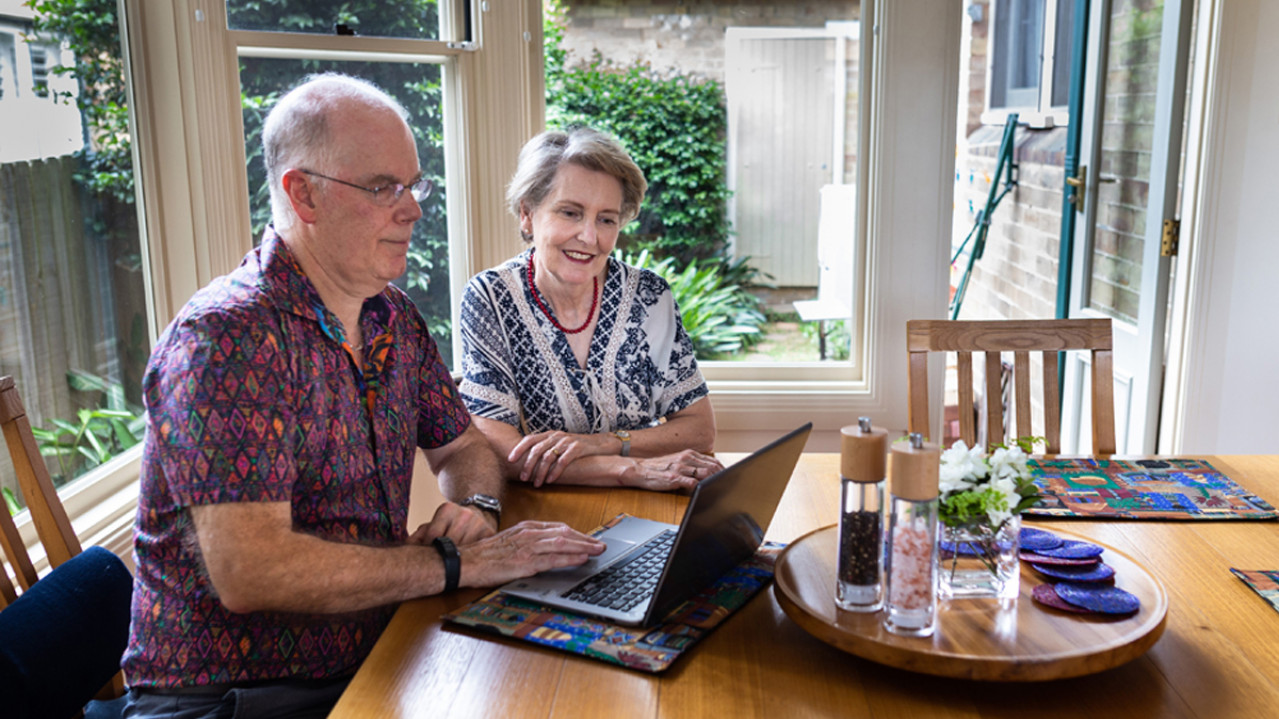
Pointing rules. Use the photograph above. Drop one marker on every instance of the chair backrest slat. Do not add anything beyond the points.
(47, 514)
(1021, 381)
(993, 337)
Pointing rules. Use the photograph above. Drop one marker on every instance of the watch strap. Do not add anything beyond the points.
(452, 562)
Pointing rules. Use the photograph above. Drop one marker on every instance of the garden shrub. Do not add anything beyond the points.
(720, 317)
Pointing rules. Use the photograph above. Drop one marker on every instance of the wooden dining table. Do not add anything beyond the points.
(1217, 656)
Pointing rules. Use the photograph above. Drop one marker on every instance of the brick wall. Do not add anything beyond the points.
(1016, 278)
(683, 36)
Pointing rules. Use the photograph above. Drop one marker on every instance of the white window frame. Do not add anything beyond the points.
(189, 164)
(189, 150)
(1042, 113)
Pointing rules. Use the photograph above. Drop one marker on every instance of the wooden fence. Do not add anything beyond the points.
(47, 288)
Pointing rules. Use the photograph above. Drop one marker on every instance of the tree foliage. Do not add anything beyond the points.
(91, 28)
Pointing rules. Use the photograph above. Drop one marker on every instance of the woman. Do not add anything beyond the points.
(575, 365)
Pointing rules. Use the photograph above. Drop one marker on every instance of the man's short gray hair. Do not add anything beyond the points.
(296, 131)
(543, 156)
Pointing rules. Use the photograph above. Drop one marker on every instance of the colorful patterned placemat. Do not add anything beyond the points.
(649, 650)
(1263, 581)
(1141, 489)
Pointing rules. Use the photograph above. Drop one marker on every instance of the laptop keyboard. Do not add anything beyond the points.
(630, 581)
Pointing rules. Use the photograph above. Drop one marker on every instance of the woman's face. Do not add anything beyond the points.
(575, 228)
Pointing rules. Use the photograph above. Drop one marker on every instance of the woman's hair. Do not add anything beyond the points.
(591, 149)
(296, 132)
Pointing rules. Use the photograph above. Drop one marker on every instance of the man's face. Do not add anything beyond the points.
(359, 244)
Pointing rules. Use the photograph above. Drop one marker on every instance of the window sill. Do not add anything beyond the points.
(101, 506)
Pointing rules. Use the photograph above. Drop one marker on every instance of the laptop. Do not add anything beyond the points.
(650, 567)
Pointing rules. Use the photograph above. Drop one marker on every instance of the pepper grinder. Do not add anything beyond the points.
(863, 458)
(911, 571)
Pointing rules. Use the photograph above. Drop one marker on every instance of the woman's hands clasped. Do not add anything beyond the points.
(545, 456)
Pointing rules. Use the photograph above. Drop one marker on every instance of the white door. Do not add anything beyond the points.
(1134, 98)
(787, 92)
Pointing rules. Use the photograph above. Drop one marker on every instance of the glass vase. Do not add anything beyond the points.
(979, 562)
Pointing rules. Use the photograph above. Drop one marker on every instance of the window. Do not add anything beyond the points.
(417, 86)
(1030, 60)
(188, 128)
(74, 330)
(117, 292)
(271, 63)
(735, 173)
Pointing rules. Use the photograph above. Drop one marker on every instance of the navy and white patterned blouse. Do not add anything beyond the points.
(519, 369)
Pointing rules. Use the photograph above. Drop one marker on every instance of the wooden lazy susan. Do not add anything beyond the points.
(975, 638)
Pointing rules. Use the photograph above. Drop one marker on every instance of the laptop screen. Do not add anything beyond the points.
(726, 519)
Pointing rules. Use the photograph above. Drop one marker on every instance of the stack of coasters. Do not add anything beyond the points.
(1079, 580)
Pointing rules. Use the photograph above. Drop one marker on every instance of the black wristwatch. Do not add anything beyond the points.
(452, 562)
(486, 502)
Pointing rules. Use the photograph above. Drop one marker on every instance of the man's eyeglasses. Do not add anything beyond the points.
(386, 195)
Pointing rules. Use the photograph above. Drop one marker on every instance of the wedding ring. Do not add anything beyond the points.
(556, 451)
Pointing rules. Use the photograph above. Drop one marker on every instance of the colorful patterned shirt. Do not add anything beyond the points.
(253, 395)
(519, 369)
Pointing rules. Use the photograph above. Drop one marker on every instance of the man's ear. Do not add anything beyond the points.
(301, 195)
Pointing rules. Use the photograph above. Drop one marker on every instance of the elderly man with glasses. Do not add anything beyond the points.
(285, 403)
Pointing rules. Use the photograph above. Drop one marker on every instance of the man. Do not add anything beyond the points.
(284, 405)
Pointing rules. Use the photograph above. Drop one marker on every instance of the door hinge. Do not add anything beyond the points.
(1171, 238)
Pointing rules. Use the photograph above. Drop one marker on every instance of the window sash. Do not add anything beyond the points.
(1043, 103)
(185, 103)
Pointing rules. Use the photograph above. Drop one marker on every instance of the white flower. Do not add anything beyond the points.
(997, 516)
(966, 470)
(961, 468)
(1009, 463)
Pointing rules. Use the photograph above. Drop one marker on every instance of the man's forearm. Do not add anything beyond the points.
(258, 562)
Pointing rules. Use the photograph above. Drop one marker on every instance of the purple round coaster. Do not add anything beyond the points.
(1104, 599)
(1037, 539)
(1036, 558)
(1071, 549)
(1046, 595)
(1100, 572)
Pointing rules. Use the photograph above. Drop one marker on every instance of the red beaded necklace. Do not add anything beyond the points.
(595, 300)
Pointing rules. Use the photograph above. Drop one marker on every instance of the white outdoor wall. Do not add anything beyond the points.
(1231, 401)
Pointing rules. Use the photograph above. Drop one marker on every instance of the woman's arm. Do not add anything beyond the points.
(671, 455)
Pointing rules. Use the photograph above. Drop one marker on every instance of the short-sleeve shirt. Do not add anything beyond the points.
(518, 368)
(253, 395)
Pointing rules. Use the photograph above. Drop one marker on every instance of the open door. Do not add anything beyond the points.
(1126, 191)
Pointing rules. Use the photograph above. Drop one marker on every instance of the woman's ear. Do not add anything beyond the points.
(301, 195)
(526, 222)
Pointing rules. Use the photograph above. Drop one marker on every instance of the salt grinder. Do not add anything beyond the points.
(911, 556)
(863, 459)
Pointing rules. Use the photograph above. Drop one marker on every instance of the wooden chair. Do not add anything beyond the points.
(47, 513)
(965, 338)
